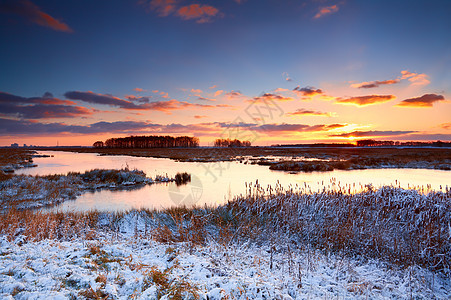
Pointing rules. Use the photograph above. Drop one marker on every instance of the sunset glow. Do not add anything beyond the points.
(276, 72)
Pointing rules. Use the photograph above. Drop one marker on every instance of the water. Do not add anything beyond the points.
(212, 183)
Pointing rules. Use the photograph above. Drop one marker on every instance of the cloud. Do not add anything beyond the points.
(139, 90)
(196, 91)
(306, 112)
(415, 78)
(445, 125)
(271, 97)
(95, 98)
(206, 99)
(286, 76)
(39, 107)
(146, 104)
(234, 95)
(24, 127)
(427, 137)
(200, 13)
(141, 100)
(45, 111)
(200, 117)
(307, 91)
(365, 100)
(326, 10)
(276, 128)
(47, 98)
(374, 84)
(163, 7)
(213, 87)
(218, 93)
(8, 127)
(373, 133)
(427, 100)
(33, 13)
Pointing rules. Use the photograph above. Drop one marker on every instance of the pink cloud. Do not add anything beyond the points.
(415, 78)
(200, 13)
(163, 7)
(33, 13)
(327, 10)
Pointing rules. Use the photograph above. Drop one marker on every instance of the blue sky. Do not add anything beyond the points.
(255, 47)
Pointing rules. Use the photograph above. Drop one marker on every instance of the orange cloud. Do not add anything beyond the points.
(202, 13)
(200, 117)
(269, 97)
(307, 91)
(373, 84)
(327, 10)
(32, 12)
(427, 100)
(365, 100)
(415, 78)
(445, 125)
(138, 90)
(196, 91)
(373, 133)
(306, 112)
(217, 93)
(234, 95)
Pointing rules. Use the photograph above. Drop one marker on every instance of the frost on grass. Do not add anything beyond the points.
(21, 191)
(128, 267)
(271, 243)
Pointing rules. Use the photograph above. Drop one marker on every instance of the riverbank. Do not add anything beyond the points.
(12, 159)
(27, 192)
(377, 244)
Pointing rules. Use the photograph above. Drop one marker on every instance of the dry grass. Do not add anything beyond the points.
(11, 159)
(403, 227)
(15, 156)
(36, 226)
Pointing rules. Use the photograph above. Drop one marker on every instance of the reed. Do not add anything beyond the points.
(401, 226)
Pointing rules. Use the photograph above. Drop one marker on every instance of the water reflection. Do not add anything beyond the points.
(212, 183)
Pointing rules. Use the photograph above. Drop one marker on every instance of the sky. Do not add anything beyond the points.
(268, 71)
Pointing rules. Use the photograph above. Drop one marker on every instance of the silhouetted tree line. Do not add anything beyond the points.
(151, 141)
(231, 143)
(374, 143)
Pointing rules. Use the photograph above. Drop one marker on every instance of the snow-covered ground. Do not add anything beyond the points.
(123, 267)
(128, 264)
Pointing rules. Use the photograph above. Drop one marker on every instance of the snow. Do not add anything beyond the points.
(118, 266)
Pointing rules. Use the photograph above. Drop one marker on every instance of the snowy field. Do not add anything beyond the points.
(128, 267)
(386, 243)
